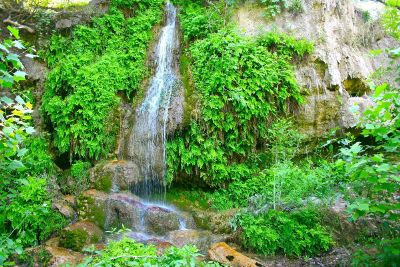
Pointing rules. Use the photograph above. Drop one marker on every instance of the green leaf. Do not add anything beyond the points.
(13, 31)
(16, 165)
(19, 76)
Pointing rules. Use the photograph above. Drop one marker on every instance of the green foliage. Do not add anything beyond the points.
(11, 68)
(198, 22)
(73, 239)
(275, 7)
(282, 185)
(391, 18)
(80, 171)
(127, 252)
(30, 213)
(286, 45)
(296, 233)
(38, 159)
(374, 170)
(87, 71)
(240, 86)
(385, 253)
(26, 217)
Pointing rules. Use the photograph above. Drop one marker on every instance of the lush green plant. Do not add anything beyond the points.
(391, 18)
(286, 45)
(198, 22)
(30, 213)
(296, 233)
(240, 86)
(26, 217)
(385, 253)
(374, 169)
(89, 69)
(127, 252)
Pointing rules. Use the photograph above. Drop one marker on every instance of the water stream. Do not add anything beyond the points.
(146, 145)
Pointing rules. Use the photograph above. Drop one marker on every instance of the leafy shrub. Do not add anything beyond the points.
(240, 86)
(127, 252)
(296, 233)
(30, 214)
(88, 70)
(385, 253)
(198, 22)
(286, 45)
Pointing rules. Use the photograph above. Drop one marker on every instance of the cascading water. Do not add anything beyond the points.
(147, 141)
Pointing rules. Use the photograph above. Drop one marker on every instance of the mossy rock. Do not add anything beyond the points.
(74, 239)
(79, 235)
(91, 207)
(103, 183)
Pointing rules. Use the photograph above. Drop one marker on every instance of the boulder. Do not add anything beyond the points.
(124, 209)
(115, 176)
(216, 222)
(202, 239)
(79, 235)
(91, 206)
(160, 220)
(224, 254)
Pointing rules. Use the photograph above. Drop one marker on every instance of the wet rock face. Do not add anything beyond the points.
(160, 221)
(335, 76)
(124, 209)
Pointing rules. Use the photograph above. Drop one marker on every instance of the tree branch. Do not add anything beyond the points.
(19, 26)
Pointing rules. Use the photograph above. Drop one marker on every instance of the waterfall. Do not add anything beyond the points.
(146, 144)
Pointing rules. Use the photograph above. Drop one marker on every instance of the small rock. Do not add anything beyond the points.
(64, 208)
(224, 254)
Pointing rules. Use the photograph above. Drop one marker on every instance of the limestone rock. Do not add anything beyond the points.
(224, 254)
(91, 206)
(115, 176)
(124, 209)
(202, 239)
(159, 220)
(216, 222)
(79, 235)
(341, 64)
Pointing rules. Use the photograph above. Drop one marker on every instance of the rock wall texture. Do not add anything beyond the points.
(336, 76)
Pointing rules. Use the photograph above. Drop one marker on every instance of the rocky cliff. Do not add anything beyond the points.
(336, 76)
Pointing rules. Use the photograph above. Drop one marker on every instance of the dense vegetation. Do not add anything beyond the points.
(89, 69)
(239, 148)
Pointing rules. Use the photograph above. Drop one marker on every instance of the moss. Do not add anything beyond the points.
(74, 239)
(90, 211)
(189, 90)
(104, 183)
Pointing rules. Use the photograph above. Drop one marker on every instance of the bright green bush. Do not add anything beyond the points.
(198, 22)
(297, 233)
(240, 86)
(108, 56)
(30, 214)
(127, 252)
